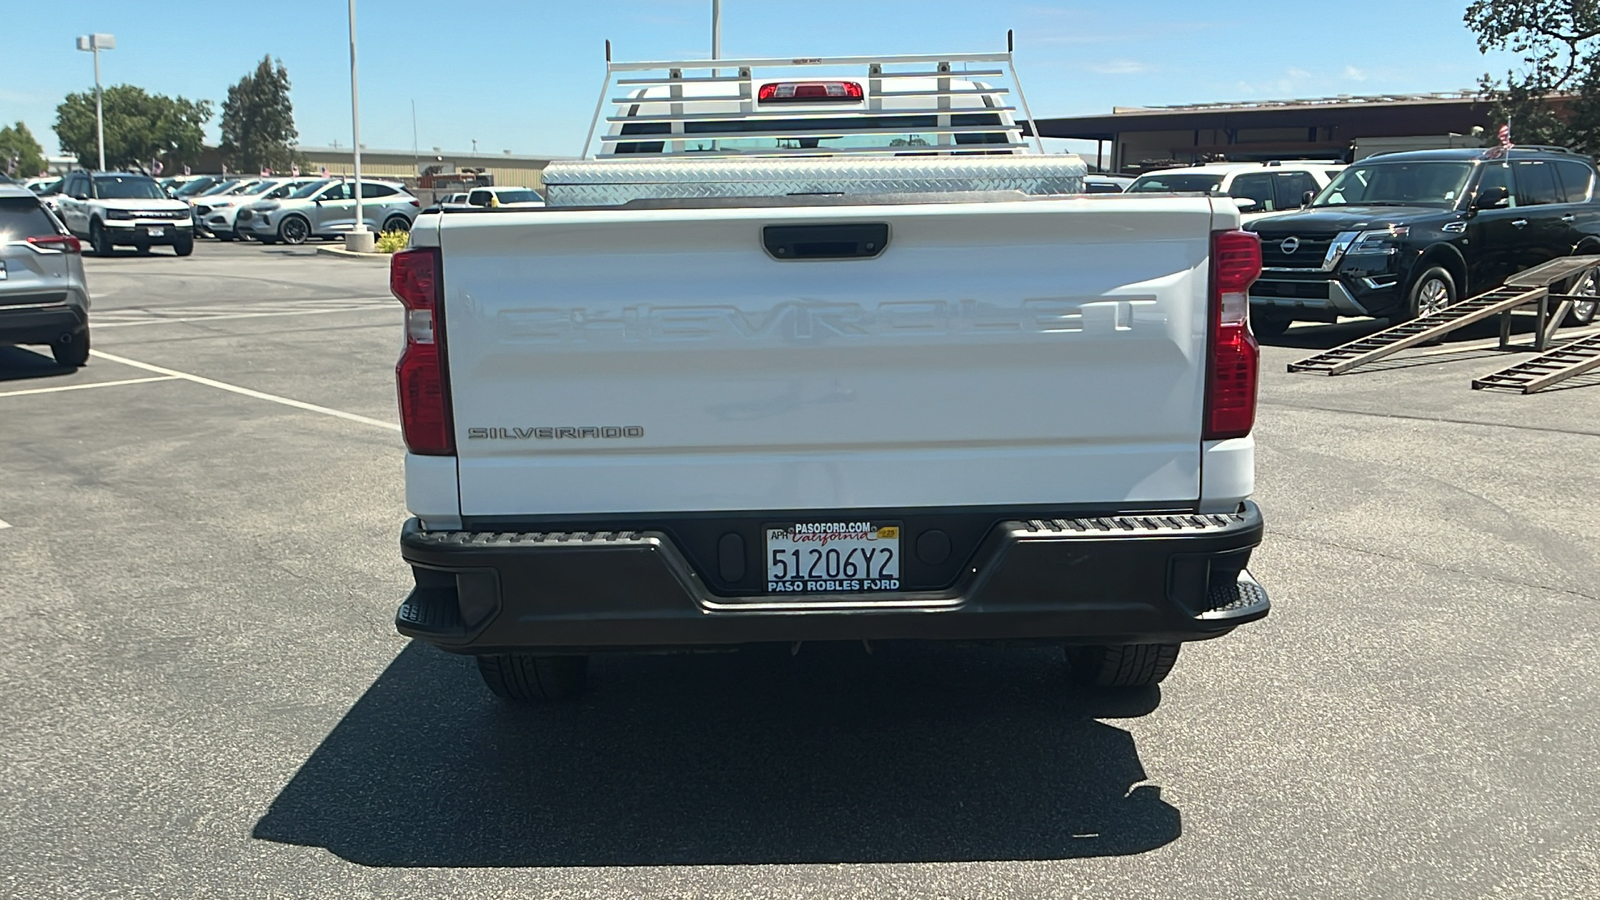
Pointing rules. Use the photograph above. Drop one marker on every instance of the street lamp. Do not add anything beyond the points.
(94, 43)
(359, 238)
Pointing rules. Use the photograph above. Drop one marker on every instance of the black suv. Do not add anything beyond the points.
(1405, 234)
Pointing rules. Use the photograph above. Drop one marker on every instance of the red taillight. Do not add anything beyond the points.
(60, 243)
(812, 91)
(424, 397)
(1231, 371)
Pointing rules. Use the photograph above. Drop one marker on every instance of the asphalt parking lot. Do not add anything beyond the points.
(202, 692)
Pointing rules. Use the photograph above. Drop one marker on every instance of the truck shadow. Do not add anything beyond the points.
(911, 754)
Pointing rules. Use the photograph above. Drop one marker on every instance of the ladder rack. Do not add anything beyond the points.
(909, 105)
(1555, 365)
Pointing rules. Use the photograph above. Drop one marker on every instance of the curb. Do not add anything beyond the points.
(349, 254)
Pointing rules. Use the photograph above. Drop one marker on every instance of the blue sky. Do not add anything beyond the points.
(523, 76)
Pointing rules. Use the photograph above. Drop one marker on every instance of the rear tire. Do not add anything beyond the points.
(397, 223)
(1269, 325)
(1126, 665)
(526, 678)
(74, 353)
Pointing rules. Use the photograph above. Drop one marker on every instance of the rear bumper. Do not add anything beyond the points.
(1127, 579)
(40, 325)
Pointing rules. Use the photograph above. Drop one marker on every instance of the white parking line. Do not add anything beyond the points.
(84, 387)
(303, 312)
(4, 524)
(234, 388)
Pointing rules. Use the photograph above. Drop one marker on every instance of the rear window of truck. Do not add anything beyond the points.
(911, 132)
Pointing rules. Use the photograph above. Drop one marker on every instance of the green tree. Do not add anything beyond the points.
(140, 127)
(258, 120)
(1555, 97)
(20, 153)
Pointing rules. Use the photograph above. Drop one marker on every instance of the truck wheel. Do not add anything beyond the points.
(1269, 325)
(1126, 665)
(1433, 290)
(183, 246)
(72, 352)
(397, 223)
(527, 678)
(1585, 285)
(294, 230)
(99, 239)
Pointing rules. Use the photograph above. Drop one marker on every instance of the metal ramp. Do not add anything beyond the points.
(1421, 330)
(1551, 367)
(1529, 287)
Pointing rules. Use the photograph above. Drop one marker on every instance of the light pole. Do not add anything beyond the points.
(716, 29)
(359, 238)
(94, 43)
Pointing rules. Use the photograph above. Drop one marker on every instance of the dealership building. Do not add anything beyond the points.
(1344, 128)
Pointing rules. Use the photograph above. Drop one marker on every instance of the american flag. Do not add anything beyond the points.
(295, 171)
(266, 172)
(186, 170)
(324, 171)
(1505, 136)
(155, 167)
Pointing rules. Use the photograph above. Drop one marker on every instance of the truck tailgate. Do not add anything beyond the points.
(1042, 351)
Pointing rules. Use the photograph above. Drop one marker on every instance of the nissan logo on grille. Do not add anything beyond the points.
(1289, 246)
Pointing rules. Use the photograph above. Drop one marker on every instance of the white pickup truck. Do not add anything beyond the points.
(826, 357)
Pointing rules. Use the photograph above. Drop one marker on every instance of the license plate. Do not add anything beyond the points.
(155, 232)
(833, 558)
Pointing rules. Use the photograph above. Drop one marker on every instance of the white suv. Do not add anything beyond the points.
(1259, 189)
(120, 208)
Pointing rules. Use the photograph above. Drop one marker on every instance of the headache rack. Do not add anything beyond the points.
(926, 105)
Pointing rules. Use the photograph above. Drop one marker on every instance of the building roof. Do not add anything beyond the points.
(1378, 114)
(1342, 100)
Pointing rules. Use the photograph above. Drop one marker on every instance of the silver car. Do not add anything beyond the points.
(328, 209)
(216, 213)
(43, 296)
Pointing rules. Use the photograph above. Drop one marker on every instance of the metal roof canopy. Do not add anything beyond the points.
(1376, 116)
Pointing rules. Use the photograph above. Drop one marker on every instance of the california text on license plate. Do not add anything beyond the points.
(833, 557)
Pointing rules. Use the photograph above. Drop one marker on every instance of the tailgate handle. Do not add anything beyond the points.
(825, 241)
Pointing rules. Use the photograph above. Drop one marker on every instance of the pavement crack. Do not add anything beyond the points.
(1323, 542)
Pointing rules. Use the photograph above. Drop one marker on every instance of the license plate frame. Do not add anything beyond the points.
(156, 230)
(832, 558)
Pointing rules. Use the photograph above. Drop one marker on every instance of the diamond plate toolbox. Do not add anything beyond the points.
(612, 182)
